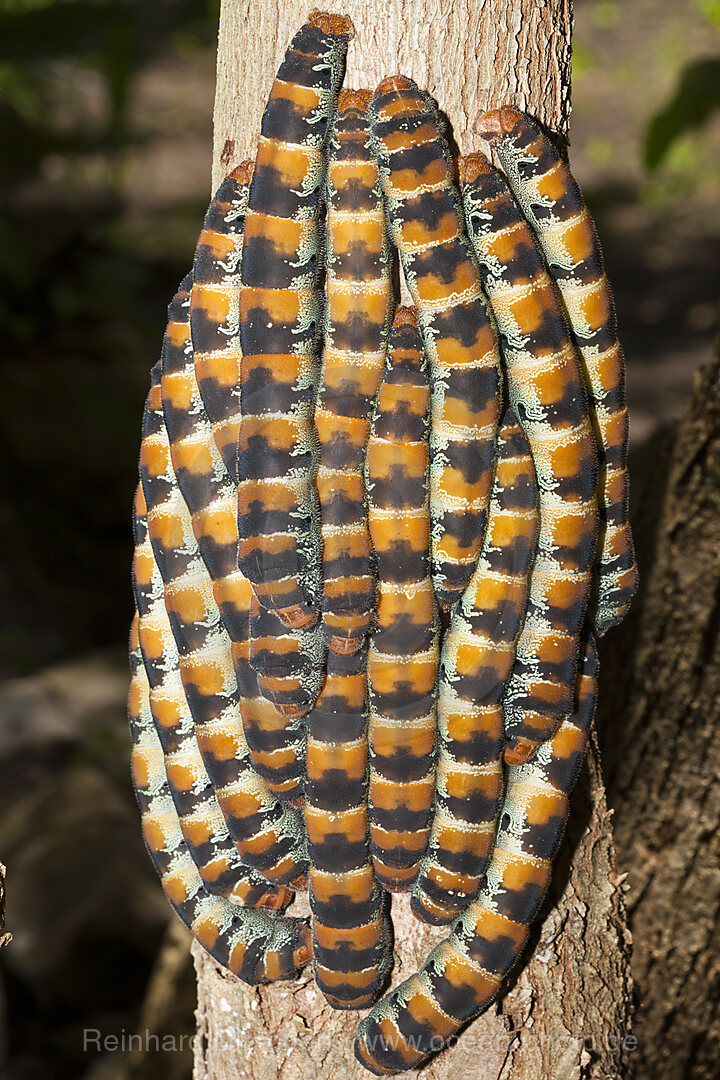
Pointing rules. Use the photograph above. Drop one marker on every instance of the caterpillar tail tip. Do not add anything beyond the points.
(498, 122)
(518, 751)
(354, 99)
(366, 1060)
(341, 646)
(473, 165)
(331, 23)
(395, 84)
(299, 616)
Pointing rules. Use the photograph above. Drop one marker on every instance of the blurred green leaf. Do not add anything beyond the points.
(605, 14)
(694, 101)
(711, 10)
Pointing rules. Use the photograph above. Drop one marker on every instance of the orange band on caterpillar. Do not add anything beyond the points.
(215, 311)
(279, 331)
(352, 948)
(425, 221)
(403, 657)
(357, 317)
(553, 204)
(276, 742)
(463, 974)
(256, 946)
(268, 835)
(547, 390)
(477, 659)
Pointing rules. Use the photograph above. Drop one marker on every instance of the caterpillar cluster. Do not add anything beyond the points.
(374, 546)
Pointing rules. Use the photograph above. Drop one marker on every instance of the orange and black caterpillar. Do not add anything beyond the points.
(357, 317)
(279, 331)
(553, 205)
(239, 932)
(425, 220)
(268, 835)
(464, 973)
(547, 390)
(477, 658)
(403, 656)
(276, 742)
(352, 938)
(215, 311)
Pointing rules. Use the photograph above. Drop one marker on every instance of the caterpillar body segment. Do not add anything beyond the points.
(476, 662)
(553, 204)
(403, 651)
(351, 933)
(215, 311)
(463, 974)
(357, 317)
(276, 745)
(267, 834)
(426, 224)
(547, 390)
(255, 945)
(279, 328)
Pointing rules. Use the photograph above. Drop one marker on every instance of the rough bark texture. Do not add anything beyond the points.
(472, 55)
(567, 1015)
(661, 744)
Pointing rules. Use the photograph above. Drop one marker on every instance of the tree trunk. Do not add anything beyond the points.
(567, 1014)
(659, 728)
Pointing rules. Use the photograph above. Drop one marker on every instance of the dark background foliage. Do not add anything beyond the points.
(105, 124)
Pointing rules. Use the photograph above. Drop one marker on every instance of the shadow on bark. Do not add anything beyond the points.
(659, 700)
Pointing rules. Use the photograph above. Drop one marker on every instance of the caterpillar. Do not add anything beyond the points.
(268, 835)
(426, 224)
(357, 316)
(255, 945)
(547, 390)
(276, 742)
(403, 654)
(352, 939)
(554, 206)
(464, 973)
(279, 324)
(477, 657)
(215, 311)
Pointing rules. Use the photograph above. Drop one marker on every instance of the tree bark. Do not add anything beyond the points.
(662, 746)
(567, 1014)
